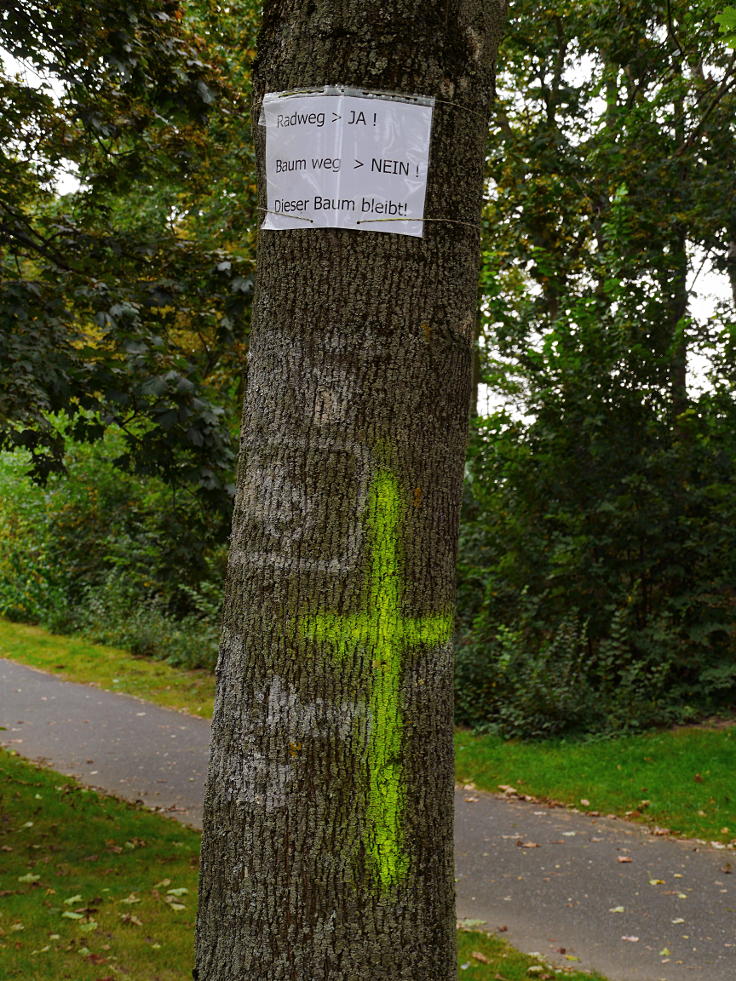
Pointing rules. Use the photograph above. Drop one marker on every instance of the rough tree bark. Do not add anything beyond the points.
(327, 847)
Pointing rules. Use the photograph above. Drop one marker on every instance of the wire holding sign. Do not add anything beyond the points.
(345, 158)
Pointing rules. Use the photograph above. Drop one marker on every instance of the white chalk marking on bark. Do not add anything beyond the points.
(266, 781)
(284, 510)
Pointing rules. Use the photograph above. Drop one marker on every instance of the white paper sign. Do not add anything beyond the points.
(339, 160)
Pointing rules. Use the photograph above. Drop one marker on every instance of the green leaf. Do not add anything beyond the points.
(727, 24)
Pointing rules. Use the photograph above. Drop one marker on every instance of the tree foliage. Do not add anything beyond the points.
(599, 543)
(126, 300)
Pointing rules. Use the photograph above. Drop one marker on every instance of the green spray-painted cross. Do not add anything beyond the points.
(382, 634)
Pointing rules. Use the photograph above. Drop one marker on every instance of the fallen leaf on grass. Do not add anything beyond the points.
(130, 919)
(476, 955)
(72, 900)
(68, 915)
(640, 808)
(29, 877)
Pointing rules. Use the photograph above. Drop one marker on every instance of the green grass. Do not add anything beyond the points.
(86, 884)
(93, 889)
(76, 659)
(680, 779)
(498, 961)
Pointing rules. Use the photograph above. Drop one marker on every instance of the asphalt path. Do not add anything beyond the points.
(594, 893)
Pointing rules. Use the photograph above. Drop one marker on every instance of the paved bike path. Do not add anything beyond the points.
(551, 880)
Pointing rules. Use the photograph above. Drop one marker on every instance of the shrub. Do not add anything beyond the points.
(119, 557)
(111, 614)
(597, 589)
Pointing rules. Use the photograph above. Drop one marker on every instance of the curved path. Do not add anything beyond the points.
(552, 881)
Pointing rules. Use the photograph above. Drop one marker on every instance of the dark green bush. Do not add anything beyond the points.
(597, 573)
(118, 557)
(111, 614)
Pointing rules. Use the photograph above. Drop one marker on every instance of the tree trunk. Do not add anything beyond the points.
(677, 305)
(327, 847)
(677, 291)
(731, 262)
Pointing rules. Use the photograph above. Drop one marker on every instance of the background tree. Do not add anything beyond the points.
(124, 312)
(124, 302)
(598, 552)
(327, 847)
